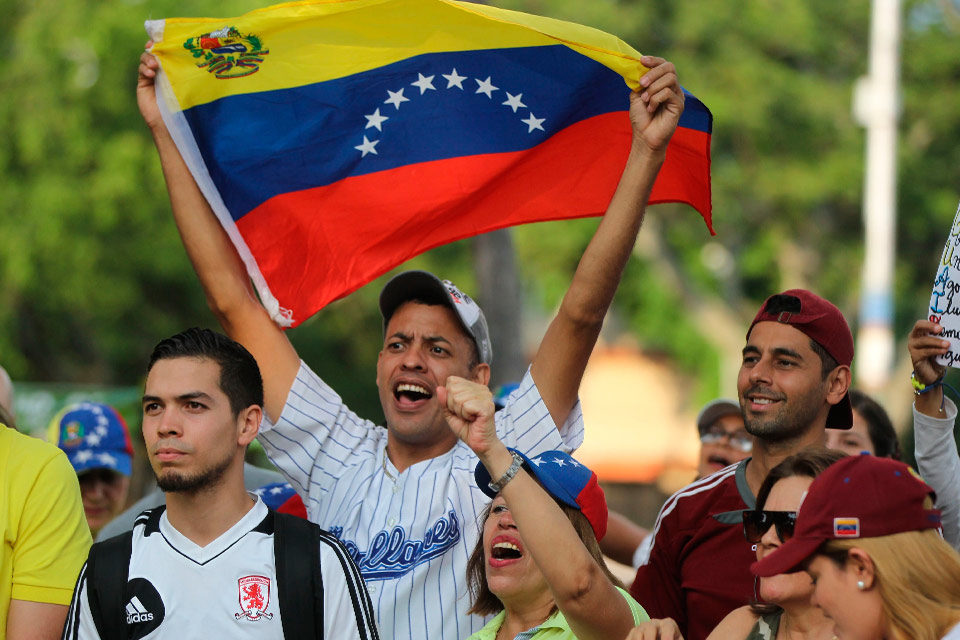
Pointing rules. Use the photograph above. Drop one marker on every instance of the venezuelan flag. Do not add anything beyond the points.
(336, 139)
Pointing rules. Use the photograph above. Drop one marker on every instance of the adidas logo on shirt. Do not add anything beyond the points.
(136, 612)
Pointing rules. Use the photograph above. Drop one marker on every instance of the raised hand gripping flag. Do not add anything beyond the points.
(336, 139)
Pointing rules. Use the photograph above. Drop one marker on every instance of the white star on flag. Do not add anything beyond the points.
(559, 461)
(423, 83)
(92, 439)
(396, 97)
(368, 146)
(258, 492)
(454, 79)
(375, 120)
(534, 123)
(82, 456)
(513, 101)
(276, 490)
(107, 459)
(101, 430)
(537, 461)
(574, 463)
(485, 86)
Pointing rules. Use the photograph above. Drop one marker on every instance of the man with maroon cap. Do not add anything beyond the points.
(792, 385)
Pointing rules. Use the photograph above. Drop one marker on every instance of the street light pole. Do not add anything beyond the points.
(876, 107)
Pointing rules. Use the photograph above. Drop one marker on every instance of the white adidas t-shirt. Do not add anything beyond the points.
(227, 589)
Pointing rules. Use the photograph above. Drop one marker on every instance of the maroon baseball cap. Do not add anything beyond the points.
(858, 497)
(823, 323)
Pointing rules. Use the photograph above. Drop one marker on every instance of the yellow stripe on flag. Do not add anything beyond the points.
(314, 41)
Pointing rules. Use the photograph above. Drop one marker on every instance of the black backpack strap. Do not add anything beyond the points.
(296, 551)
(107, 569)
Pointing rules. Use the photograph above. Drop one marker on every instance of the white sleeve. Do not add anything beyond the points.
(525, 423)
(939, 465)
(79, 624)
(347, 610)
(316, 435)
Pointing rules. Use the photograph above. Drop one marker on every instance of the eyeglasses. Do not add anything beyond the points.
(740, 441)
(756, 523)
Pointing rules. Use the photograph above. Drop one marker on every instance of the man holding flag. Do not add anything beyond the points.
(404, 501)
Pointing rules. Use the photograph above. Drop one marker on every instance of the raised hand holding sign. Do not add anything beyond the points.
(944, 299)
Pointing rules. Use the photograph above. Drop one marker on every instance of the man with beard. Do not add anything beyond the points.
(207, 563)
(792, 385)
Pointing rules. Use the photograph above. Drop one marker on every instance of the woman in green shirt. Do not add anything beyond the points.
(537, 565)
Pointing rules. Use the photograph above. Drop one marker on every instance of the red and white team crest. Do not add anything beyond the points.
(254, 598)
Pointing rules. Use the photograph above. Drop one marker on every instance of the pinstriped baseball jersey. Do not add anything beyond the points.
(410, 533)
(226, 589)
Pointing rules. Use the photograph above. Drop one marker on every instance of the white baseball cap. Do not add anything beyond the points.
(428, 288)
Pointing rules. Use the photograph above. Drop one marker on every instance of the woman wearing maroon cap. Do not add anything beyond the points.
(868, 537)
(537, 565)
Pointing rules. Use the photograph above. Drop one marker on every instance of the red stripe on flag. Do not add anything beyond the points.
(316, 245)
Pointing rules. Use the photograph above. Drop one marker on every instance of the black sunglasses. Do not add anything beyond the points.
(756, 523)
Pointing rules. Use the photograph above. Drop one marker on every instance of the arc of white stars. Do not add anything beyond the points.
(424, 83)
(454, 79)
(534, 122)
(375, 120)
(486, 87)
(513, 101)
(93, 439)
(396, 97)
(368, 146)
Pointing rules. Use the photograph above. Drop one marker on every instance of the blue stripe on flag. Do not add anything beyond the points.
(257, 146)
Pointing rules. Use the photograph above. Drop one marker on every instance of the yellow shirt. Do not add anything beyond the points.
(45, 533)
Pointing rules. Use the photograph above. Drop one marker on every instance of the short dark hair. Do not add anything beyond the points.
(240, 376)
(886, 443)
(827, 362)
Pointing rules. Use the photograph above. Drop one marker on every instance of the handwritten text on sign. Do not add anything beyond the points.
(945, 299)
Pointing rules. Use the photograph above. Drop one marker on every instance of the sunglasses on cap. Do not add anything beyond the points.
(756, 523)
(740, 441)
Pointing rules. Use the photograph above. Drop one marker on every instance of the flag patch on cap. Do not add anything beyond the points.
(846, 527)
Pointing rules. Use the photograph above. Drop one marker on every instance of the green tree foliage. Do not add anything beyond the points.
(92, 272)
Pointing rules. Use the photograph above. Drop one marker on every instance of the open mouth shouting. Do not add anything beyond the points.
(411, 395)
(504, 551)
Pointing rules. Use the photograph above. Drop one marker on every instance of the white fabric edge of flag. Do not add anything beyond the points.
(179, 130)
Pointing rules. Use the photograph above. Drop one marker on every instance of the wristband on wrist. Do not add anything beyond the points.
(508, 475)
(920, 388)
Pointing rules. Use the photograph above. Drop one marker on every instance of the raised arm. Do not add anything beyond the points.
(559, 364)
(588, 600)
(933, 423)
(229, 292)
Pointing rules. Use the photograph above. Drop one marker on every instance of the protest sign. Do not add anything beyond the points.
(944, 301)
